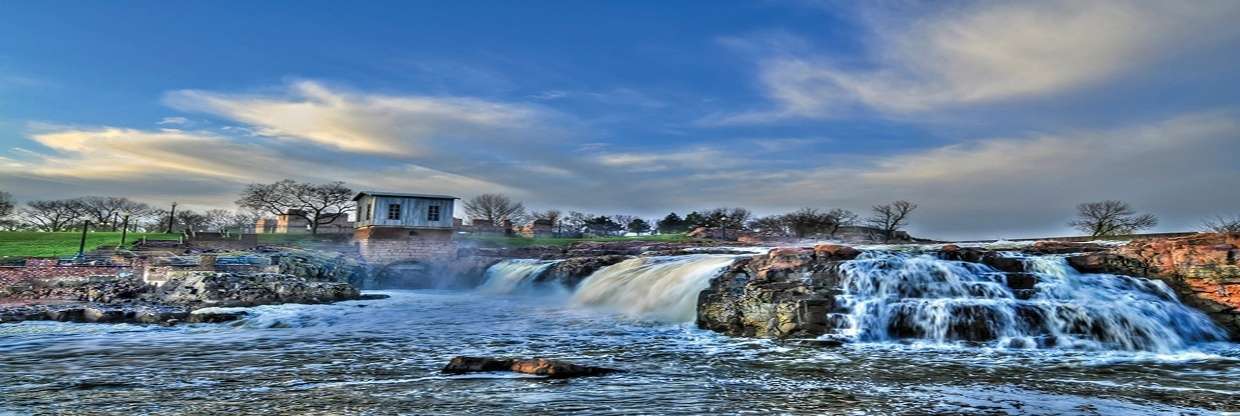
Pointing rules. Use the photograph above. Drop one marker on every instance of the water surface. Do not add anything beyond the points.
(382, 357)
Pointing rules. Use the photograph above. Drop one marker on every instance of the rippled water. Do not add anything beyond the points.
(382, 357)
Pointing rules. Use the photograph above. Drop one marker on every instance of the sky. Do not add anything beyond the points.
(995, 117)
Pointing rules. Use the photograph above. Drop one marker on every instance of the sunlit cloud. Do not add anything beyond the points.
(985, 52)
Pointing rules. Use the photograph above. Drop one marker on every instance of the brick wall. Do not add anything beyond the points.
(380, 246)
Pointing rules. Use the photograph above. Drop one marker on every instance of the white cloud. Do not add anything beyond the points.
(173, 121)
(989, 52)
(373, 123)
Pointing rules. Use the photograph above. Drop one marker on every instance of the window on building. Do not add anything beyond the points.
(369, 209)
(432, 213)
(394, 212)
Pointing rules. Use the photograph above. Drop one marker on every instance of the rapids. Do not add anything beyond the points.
(383, 356)
(892, 295)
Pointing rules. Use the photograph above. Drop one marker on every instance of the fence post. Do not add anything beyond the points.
(82, 244)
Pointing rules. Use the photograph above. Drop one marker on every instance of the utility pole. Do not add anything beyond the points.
(82, 245)
(172, 217)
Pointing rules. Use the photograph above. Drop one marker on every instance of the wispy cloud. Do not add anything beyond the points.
(985, 52)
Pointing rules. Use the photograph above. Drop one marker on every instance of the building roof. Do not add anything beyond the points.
(403, 195)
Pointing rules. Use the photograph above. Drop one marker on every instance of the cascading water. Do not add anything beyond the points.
(511, 276)
(891, 295)
(659, 288)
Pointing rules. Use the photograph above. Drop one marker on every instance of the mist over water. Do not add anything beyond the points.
(383, 356)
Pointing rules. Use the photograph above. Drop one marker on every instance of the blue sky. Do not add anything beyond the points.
(996, 117)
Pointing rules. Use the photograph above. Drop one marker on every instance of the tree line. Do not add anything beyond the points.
(321, 204)
(110, 213)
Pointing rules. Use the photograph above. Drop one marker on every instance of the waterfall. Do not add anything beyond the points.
(890, 296)
(659, 288)
(511, 276)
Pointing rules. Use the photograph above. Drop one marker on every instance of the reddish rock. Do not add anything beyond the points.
(836, 252)
(535, 366)
(1204, 269)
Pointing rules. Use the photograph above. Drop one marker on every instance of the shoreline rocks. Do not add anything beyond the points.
(112, 313)
(534, 366)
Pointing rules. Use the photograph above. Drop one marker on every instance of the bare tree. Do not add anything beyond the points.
(551, 217)
(1222, 224)
(7, 204)
(317, 204)
(1109, 218)
(191, 222)
(53, 215)
(107, 211)
(807, 221)
(890, 218)
(772, 224)
(219, 220)
(624, 220)
(494, 208)
(840, 217)
(7, 207)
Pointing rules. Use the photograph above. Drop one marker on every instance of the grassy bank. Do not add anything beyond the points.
(502, 241)
(37, 244)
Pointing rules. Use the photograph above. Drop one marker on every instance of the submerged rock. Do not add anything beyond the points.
(535, 366)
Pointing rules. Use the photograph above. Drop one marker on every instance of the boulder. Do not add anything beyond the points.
(785, 293)
(836, 252)
(203, 289)
(1063, 247)
(534, 366)
(322, 266)
(572, 271)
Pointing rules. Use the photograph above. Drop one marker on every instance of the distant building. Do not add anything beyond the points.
(291, 222)
(394, 227)
(538, 228)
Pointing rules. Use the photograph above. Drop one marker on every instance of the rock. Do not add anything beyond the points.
(1109, 263)
(322, 266)
(1204, 269)
(836, 252)
(535, 366)
(203, 289)
(1020, 281)
(1063, 247)
(785, 293)
(572, 271)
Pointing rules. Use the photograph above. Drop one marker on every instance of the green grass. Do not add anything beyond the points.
(502, 241)
(37, 244)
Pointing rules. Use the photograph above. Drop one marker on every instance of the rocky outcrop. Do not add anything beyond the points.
(127, 312)
(572, 271)
(786, 293)
(203, 289)
(534, 366)
(322, 266)
(86, 289)
(1204, 270)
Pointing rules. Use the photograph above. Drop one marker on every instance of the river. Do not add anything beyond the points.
(383, 357)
